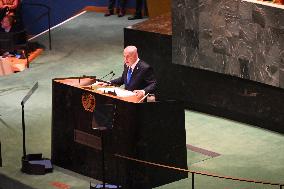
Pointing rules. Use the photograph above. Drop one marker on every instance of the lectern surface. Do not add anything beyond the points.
(89, 84)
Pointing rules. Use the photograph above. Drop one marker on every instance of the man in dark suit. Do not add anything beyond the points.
(137, 76)
(7, 24)
(138, 12)
(120, 11)
(10, 33)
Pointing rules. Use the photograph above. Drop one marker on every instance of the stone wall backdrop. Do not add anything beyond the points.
(230, 37)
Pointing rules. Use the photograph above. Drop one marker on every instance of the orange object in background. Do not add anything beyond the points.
(60, 185)
(5, 69)
(279, 2)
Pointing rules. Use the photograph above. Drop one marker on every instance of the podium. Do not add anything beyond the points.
(152, 132)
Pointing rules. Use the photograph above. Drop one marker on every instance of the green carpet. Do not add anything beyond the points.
(92, 45)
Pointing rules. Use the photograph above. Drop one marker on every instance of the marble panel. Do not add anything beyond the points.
(231, 37)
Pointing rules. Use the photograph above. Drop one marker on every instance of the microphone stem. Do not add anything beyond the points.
(112, 76)
(141, 100)
(106, 75)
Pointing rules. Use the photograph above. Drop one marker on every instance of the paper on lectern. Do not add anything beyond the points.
(120, 92)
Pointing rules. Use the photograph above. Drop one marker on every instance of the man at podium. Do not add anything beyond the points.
(137, 75)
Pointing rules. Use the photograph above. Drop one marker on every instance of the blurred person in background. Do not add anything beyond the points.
(120, 10)
(8, 7)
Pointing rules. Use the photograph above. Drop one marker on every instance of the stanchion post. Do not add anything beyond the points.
(117, 171)
(27, 56)
(104, 185)
(192, 183)
(49, 25)
(0, 156)
(103, 155)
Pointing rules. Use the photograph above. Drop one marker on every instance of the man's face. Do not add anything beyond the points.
(5, 23)
(129, 58)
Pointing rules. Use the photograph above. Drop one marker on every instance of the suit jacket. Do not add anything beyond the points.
(142, 78)
(13, 29)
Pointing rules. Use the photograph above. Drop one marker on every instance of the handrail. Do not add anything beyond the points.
(37, 19)
(41, 16)
(199, 172)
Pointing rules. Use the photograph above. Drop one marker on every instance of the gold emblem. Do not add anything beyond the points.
(88, 102)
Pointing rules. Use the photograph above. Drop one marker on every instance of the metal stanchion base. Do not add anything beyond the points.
(106, 186)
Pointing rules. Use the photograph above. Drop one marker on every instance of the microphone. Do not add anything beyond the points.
(111, 72)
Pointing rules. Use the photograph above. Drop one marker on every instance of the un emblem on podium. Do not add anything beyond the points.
(88, 102)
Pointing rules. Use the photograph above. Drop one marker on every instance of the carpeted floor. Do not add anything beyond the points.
(92, 45)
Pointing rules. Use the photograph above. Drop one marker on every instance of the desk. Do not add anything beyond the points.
(16, 64)
(153, 132)
(10, 65)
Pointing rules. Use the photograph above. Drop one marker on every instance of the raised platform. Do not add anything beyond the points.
(218, 94)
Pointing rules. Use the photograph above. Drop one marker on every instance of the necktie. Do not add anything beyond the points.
(129, 73)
